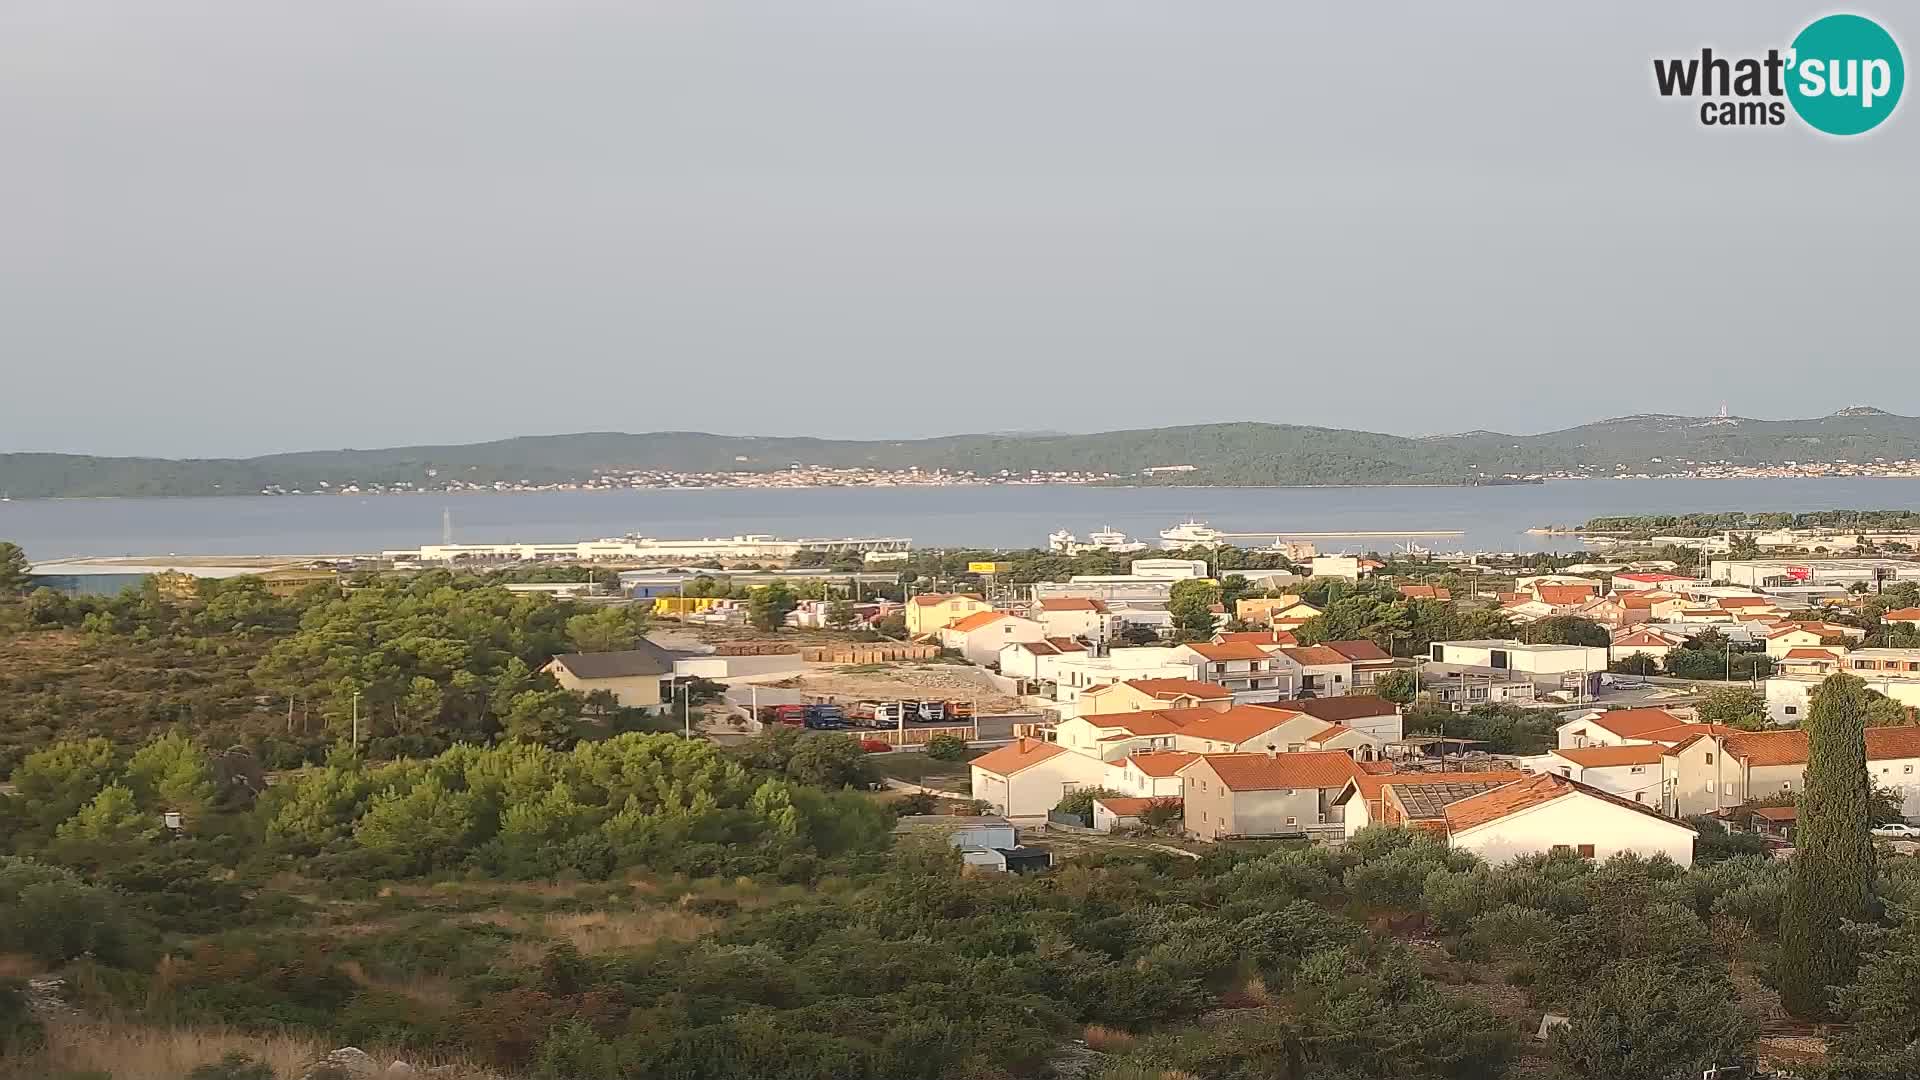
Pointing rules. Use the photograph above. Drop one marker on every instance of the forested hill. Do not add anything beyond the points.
(1232, 453)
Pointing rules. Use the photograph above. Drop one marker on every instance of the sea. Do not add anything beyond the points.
(1491, 518)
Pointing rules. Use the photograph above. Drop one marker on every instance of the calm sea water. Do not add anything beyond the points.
(1493, 518)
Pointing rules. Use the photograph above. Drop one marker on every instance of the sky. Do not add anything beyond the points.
(242, 227)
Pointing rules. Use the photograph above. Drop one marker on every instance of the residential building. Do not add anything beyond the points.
(1551, 667)
(1714, 772)
(1153, 695)
(1023, 659)
(1813, 664)
(1247, 670)
(1647, 582)
(1363, 801)
(1112, 736)
(1373, 716)
(1074, 673)
(1367, 660)
(1318, 671)
(1268, 640)
(931, 611)
(633, 676)
(1028, 777)
(1078, 617)
(1151, 774)
(1642, 640)
(1426, 592)
(1553, 813)
(1264, 794)
(1113, 812)
(1168, 569)
(980, 636)
(1788, 636)
(1892, 672)
(1631, 771)
(1629, 727)
(1908, 617)
(1262, 610)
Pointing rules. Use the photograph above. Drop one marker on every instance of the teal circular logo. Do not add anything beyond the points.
(1845, 74)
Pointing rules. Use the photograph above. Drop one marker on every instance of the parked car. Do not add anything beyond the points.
(1899, 830)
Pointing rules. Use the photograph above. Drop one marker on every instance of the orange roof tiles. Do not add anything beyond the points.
(1235, 726)
(1358, 649)
(1425, 592)
(1604, 757)
(1810, 654)
(1329, 733)
(1764, 748)
(1161, 763)
(1019, 754)
(1370, 784)
(1172, 688)
(976, 620)
(1634, 723)
(1905, 614)
(1272, 772)
(1066, 644)
(1230, 650)
(1535, 791)
(1337, 710)
(1071, 603)
(1745, 602)
(1563, 595)
(1314, 656)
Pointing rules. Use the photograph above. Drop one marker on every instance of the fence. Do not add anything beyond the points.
(1078, 821)
(1033, 731)
(913, 736)
(868, 654)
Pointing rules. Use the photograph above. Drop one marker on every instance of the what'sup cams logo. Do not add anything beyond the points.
(1842, 75)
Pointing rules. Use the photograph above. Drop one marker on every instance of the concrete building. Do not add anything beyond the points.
(1550, 667)
(1153, 695)
(627, 548)
(1077, 617)
(633, 676)
(1552, 813)
(1766, 573)
(1373, 716)
(1264, 794)
(1714, 772)
(1247, 670)
(1028, 777)
(1317, 670)
(1892, 672)
(980, 637)
(931, 611)
(1366, 801)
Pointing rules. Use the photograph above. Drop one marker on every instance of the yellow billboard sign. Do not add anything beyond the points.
(989, 567)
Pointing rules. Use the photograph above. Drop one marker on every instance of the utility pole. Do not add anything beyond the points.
(356, 721)
(686, 709)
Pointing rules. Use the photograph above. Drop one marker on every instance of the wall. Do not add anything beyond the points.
(1036, 789)
(1574, 820)
(634, 691)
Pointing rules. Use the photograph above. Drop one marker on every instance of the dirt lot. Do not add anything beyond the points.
(890, 682)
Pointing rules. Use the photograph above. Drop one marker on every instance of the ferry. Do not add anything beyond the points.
(1107, 539)
(1191, 533)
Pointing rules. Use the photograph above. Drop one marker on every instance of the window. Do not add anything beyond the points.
(1637, 769)
(1785, 785)
(1709, 759)
(1290, 822)
(1562, 849)
(1639, 796)
(1792, 709)
(1729, 786)
(1586, 851)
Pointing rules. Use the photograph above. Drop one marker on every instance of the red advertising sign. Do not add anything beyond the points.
(1800, 573)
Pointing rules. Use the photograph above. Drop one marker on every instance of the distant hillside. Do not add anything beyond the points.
(1236, 453)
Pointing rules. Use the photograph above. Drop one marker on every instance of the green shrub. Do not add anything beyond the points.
(948, 748)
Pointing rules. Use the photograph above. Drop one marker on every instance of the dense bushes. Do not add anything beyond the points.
(521, 810)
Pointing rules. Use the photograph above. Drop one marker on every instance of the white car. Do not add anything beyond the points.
(1897, 831)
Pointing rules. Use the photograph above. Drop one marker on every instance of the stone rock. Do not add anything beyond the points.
(348, 1062)
(401, 1068)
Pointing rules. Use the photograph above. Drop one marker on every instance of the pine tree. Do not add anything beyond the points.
(1832, 873)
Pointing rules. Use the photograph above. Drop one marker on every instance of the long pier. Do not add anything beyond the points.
(1358, 534)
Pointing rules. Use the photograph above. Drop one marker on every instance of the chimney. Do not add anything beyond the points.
(1272, 752)
(1021, 743)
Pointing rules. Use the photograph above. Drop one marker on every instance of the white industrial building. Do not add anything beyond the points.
(1791, 573)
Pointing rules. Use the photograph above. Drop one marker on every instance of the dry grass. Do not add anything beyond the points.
(433, 991)
(1106, 1039)
(608, 931)
(19, 966)
(130, 1051)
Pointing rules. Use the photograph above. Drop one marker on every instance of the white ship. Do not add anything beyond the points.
(1107, 539)
(1191, 534)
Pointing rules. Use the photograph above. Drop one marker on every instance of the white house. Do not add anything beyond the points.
(1149, 774)
(1712, 772)
(1317, 670)
(1552, 813)
(1028, 777)
(1074, 673)
(980, 636)
(1027, 659)
(1373, 716)
(1350, 567)
(1626, 727)
(1113, 812)
(1417, 800)
(1632, 771)
(1642, 640)
(1551, 667)
(1083, 618)
(1248, 670)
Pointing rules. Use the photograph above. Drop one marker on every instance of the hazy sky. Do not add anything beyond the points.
(231, 228)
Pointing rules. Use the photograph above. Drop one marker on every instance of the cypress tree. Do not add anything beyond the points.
(1832, 874)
